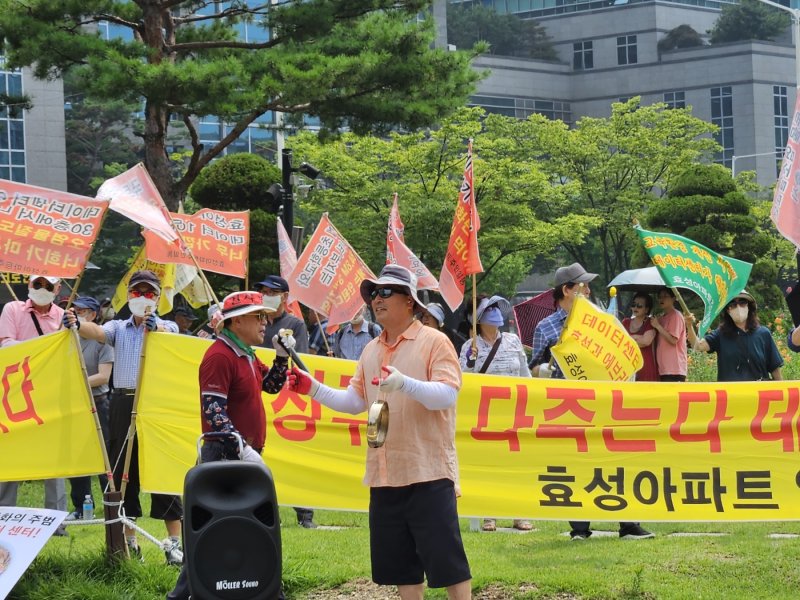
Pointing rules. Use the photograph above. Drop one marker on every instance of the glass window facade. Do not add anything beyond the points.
(582, 56)
(780, 103)
(626, 50)
(675, 99)
(722, 117)
(522, 108)
(541, 8)
(12, 128)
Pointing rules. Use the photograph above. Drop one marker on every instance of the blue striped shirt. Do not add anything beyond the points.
(127, 339)
(545, 336)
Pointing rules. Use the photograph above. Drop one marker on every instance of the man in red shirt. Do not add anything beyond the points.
(231, 381)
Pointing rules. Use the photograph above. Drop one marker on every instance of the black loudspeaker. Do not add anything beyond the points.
(232, 535)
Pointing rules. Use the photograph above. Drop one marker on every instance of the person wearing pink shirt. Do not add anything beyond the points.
(21, 321)
(413, 520)
(671, 350)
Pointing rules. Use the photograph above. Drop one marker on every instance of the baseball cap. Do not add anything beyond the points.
(574, 273)
(53, 280)
(274, 282)
(87, 302)
(184, 312)
(147, 277)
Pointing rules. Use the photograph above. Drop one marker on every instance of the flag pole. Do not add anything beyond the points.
(324, 336)
(200, 272)
(474, 351)
(8, 285)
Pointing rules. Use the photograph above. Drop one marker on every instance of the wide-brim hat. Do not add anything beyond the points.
(747, 296)
(498, 301)
(241, 303)
(392, 275)
(574, 273)
(53, 280)
(435, 310)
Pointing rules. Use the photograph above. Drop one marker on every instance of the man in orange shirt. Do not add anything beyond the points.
(414, 530)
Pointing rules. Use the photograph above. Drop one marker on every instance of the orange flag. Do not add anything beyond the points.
(462, 257)
(288, 260)
(218, 239)
(328, 275)
(786, 201)
(46, 232)
(399, 254)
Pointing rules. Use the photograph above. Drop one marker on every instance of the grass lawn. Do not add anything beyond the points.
(745, 563)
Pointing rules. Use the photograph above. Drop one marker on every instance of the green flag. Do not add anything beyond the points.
(686, 264)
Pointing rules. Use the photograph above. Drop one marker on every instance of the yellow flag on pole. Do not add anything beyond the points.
(594, 346)
(46, 424)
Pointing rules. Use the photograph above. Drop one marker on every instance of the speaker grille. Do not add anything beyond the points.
(265, 513)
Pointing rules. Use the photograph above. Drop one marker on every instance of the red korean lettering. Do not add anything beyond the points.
(711, 435)
(521, 419)
(785, 432)
(570, 403)
(634, 417)
(26, 387)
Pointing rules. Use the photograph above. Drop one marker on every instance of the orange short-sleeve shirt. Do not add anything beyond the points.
(420, 443)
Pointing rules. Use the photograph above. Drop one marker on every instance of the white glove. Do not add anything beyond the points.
(250, 455)
(394, 382)
(283, 341)
(544, 371)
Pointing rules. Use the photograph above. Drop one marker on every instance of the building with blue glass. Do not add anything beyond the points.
(608, 51)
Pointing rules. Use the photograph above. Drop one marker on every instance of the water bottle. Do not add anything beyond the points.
(88, 508)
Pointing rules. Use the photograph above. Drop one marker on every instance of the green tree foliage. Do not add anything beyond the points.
(426, 170)
(609, 169)
(240, 182)
(682, 36)
(705, 205)
(507, 35)
(366, 64)
(748, 20)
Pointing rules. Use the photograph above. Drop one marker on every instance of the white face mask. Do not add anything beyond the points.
(82, 319)
(140, 305)
(739, 314)
(41, 297)
(271, 302)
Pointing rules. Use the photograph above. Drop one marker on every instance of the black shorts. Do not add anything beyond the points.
(414, 533)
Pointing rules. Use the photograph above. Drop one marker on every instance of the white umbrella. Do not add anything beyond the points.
(638, 280)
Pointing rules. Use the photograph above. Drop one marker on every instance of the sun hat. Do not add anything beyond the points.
(435, 310)
(498, 302)
(392, 275)
(746, 295)
(241, 303)
(574, 273)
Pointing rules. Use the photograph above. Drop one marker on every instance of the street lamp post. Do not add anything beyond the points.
(736, 157)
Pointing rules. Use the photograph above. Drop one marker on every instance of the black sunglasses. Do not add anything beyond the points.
(637, 305)
(385, 292)
(738, 302)
(39, 284)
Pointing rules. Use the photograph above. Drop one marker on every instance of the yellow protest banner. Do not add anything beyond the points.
(47, 428)
(594, 346)
(539, 448)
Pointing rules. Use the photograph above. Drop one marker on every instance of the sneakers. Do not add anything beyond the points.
(522, 525)
(61, 531)
(489, 525)
(579, 536)
(307, 523)
(173, 551)
(73, 516)
(635, 532)
(134, 551)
